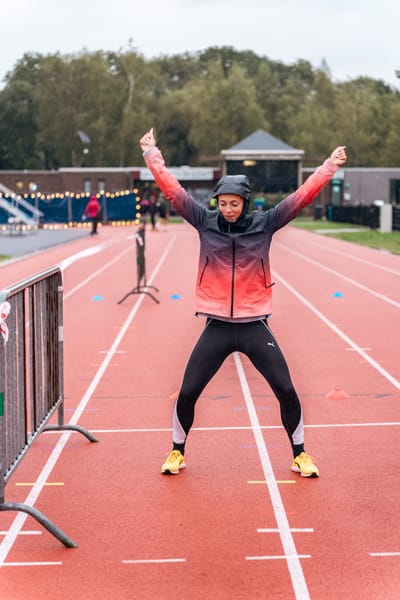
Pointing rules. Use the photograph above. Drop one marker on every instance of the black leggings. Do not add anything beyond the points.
(218, 340)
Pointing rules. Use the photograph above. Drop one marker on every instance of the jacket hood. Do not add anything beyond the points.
(233, 184)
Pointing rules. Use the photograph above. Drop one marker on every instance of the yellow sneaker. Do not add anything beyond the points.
(175, 461)
(303, 463)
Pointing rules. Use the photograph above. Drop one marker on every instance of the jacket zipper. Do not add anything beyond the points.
(233, 274)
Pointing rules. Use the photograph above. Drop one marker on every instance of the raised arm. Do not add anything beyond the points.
(290, 206)
(180, 199)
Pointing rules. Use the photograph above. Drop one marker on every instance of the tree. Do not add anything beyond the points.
(224, 110)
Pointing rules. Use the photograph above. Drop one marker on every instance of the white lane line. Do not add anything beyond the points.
(384, 553)
(281, 557)
(239, 428)
(348, 256)
(344, 277)
(95, 273)
(26, 532)
(19, 520)
(340, 333)
(32, 564)
(143, 561)
(83, 254)
(289, 547)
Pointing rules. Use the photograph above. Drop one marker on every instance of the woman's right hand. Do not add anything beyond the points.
(148, 141)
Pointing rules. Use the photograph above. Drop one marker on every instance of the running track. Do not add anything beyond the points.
(237, 524)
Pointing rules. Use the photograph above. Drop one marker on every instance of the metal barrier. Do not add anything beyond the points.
(396, 218)
(141, 286)
(369, 216)
(31, 377)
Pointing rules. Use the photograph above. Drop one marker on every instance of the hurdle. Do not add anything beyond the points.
(141, 286)
(31, 377)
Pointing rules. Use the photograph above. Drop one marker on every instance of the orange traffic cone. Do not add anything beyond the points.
(337, 394)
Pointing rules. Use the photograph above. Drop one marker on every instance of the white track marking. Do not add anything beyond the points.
(340, 333)
(384, 553)
(281, 557)
(79, 255)
(26, 532)
(344, 277)
(289, 547)
(143, 561)
(95, 273)
(243, 427)
(43, 477)
(348, 256)
(32, 564)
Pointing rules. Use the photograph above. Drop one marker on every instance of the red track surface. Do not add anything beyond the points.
(237, 524)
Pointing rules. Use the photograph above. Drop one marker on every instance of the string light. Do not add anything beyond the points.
(62, 195)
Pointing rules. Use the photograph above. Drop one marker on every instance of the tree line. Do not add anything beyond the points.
(91, 108)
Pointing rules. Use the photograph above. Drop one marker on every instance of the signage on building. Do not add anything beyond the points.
(182, 174)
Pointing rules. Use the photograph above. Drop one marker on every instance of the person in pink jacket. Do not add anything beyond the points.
(234, 293)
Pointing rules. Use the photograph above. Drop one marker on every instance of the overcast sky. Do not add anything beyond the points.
(355, 37)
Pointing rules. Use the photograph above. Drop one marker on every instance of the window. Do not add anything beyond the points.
(87, 186)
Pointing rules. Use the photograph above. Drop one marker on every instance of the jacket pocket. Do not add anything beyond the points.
(267, 283)
(203, 271)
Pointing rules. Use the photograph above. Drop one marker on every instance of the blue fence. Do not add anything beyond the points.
(69, 209)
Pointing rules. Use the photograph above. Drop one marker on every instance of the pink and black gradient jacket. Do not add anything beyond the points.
(234, 277)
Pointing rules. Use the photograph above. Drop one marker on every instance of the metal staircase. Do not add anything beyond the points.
(12, 206)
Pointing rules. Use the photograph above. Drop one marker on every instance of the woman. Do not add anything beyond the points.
(92, 210)
(233, 292)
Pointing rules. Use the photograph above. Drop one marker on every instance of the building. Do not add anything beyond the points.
(271, 165)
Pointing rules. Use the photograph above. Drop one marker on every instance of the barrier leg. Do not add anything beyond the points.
(44, 521)
(77, 428)
(141, 290)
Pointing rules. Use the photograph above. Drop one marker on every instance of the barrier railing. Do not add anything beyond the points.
(31, 377)
(141, 286)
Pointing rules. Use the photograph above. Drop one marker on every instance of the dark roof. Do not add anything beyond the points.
(262, 143)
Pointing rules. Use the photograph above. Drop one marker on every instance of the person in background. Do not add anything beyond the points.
(234, 293)
(92, 211)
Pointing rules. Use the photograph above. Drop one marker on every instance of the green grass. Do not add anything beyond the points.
(361, 235)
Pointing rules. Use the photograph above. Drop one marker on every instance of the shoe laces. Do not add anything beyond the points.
(174, 455)
(303, 456)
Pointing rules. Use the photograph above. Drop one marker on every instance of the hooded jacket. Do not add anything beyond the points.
(234, 277)
(92, 208)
